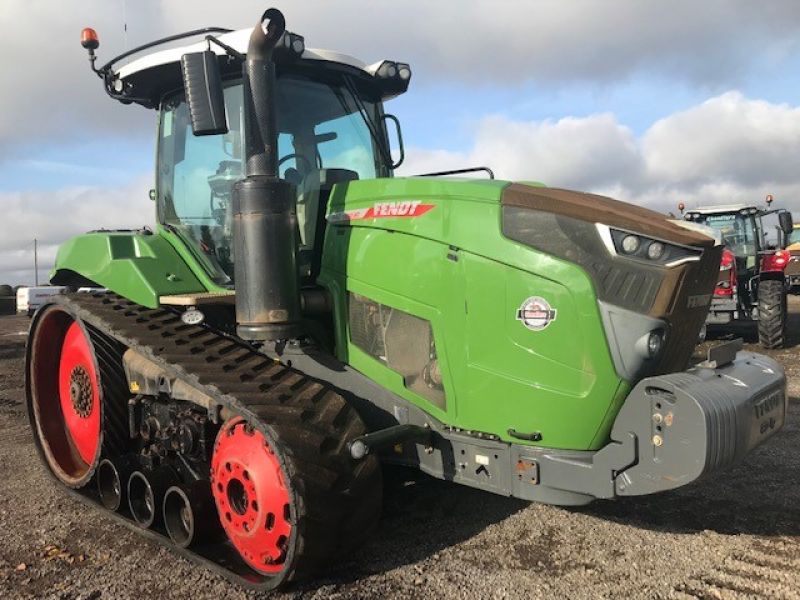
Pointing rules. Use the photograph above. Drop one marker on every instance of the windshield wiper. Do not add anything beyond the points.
(372, 127)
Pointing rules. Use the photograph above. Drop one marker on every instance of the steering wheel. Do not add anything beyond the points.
(306, 162)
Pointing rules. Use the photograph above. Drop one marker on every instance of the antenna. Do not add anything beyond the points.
(36, 262)
(125, 23)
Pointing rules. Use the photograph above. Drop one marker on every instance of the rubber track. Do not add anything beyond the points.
(108, 353)
(338, 501)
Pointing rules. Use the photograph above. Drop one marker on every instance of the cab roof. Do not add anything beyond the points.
(237, 40)
(720, 209)
(147, 79)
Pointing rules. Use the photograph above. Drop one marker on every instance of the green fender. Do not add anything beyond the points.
(140, 266)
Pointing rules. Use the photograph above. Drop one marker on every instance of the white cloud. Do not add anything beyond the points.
(734, 138)
(550, 40)
(52, 217)
(50, 94)
(592, 151)
(727, 149)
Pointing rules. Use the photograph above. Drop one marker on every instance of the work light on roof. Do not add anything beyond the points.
(404, 71)
(293, 43)
(389, 69)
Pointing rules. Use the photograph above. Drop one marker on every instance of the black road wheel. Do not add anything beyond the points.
(772, 313)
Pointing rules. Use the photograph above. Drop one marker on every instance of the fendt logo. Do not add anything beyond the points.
(382, 210)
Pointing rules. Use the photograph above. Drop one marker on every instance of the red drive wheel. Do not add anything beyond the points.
(79, 393)
(64, 395)
(252, 496)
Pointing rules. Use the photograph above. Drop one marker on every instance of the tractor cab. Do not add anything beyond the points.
(737, 227)
(330, 122)
(751, 284)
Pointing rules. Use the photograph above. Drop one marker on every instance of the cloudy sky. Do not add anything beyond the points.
(649, 101)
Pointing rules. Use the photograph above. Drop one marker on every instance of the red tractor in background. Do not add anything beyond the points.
(752, 283)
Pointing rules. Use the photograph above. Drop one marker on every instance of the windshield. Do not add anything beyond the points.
(320, 128)
(737, 231)
(794, 237)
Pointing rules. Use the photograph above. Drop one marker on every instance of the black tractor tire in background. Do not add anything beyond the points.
(772, 311)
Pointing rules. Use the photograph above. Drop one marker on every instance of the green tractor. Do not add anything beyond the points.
(236, 378)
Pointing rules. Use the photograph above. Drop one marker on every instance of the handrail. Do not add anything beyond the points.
(178, 36)
(458, 172)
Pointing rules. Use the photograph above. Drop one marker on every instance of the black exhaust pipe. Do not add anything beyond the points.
(190, 515)
(112, 478)
(146, 494)
(264, 217)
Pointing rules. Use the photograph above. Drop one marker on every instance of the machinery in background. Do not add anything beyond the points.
(793, 268)
(29, 299)
(752, 282)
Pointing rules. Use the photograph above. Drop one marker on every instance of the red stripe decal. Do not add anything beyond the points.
(383, 210)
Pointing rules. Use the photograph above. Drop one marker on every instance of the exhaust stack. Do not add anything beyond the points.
(264, 218)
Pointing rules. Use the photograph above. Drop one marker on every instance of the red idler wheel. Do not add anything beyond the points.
(64, 395)
(252, 496)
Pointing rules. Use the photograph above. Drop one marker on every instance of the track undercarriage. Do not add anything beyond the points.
(198, 439)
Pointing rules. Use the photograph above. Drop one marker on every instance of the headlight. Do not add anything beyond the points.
(650, 345)
(655, 342)
(639, 247)
(655, 250)
(630, 244)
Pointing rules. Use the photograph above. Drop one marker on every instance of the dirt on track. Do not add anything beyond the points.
(736, 535)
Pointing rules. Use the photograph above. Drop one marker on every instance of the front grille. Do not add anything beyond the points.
(685, 316)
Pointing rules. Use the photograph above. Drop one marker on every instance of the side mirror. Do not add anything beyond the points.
(399, 133)
(785, 221)
(203, 84)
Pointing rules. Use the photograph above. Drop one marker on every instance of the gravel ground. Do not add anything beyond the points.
(736, 535)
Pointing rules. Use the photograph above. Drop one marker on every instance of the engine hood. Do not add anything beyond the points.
(594, 208)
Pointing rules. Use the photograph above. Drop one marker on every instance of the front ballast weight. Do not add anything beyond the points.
(674, 429)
